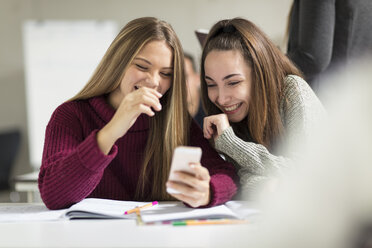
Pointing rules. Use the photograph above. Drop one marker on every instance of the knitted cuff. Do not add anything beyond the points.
(91, 155)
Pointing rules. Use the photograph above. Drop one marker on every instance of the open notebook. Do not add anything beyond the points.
(93, 208)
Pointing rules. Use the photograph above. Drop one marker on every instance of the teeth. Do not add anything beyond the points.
(232, 108)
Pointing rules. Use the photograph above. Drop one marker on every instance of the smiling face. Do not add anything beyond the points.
(152, 68)
(229, 81)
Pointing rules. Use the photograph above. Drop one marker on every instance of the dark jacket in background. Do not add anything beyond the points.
(324, 34)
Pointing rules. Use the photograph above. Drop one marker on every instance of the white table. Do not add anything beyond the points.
(119, 233)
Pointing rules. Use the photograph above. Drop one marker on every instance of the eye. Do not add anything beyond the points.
(211, 85)
(166, 74)
(233, 83)
(136, 87)
(141, 67)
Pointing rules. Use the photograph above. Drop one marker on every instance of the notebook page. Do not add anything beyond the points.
(178, 211)
(110, 208)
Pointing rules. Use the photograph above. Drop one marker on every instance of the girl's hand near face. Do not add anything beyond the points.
(194, 188)
(214, 125)
(133, 105)
(143, 100)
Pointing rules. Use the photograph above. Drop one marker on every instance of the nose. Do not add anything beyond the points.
(152, 81)
(223, 97)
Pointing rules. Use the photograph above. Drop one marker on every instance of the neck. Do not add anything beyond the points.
(115, 98)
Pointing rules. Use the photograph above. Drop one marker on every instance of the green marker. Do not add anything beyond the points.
(179, 223)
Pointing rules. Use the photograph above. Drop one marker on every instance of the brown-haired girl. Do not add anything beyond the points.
(254, 97)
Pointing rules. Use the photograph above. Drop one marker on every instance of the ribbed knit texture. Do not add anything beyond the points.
(301, 112)
(73, 167)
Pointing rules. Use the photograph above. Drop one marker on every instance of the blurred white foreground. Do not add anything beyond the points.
(327, 200)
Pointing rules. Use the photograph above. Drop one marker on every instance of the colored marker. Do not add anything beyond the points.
(208, 222)
(137, 209)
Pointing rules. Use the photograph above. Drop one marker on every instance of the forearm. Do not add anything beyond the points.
(69, 175)
(106, 138)
(254, 157)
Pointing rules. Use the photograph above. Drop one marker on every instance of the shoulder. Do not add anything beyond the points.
(299, 101)
(69, 111)
(295, 84)
(296, 90)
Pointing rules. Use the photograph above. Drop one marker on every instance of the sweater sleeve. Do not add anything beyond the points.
(254, 158)
(72, 165)
(223, 175)
(302, 112)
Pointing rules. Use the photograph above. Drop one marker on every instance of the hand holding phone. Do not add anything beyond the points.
(182, 157)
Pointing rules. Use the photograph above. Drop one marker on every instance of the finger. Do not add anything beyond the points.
(209, 128)
(186, 190)
(205, 128)
(145, 109)
(154, 102)
(141, 96)
(186, 178)
(190, 183)
(150, 100)
(207, 135)
(222, 123)
(157, 93)
(153, 91)
(201, 172)
(189, 200)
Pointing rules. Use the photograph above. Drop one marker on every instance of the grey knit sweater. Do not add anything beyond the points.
(301, 113)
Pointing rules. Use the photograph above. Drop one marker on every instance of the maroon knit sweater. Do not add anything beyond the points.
(73, 167)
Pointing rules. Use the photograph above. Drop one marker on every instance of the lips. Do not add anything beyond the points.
(231, 109)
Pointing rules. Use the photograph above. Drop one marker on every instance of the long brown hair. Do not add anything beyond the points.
(169, 128)
(269, 68)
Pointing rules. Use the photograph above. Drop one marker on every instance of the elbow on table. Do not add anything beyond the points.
(51, 199)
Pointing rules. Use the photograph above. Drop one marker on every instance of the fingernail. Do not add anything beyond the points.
(159, 106)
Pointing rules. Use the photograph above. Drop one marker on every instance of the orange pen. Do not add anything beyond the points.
(141, 207)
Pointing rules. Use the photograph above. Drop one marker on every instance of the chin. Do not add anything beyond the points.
(235, 119)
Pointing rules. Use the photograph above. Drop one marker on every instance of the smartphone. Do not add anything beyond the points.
(182, 157)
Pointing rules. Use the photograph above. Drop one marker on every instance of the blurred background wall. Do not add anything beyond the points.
(184, 16)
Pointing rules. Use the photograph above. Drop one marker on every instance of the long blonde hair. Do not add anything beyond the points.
(269, 68)
(169, 128)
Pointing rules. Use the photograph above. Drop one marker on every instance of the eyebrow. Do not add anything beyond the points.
(226, 77)
(148, 62)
